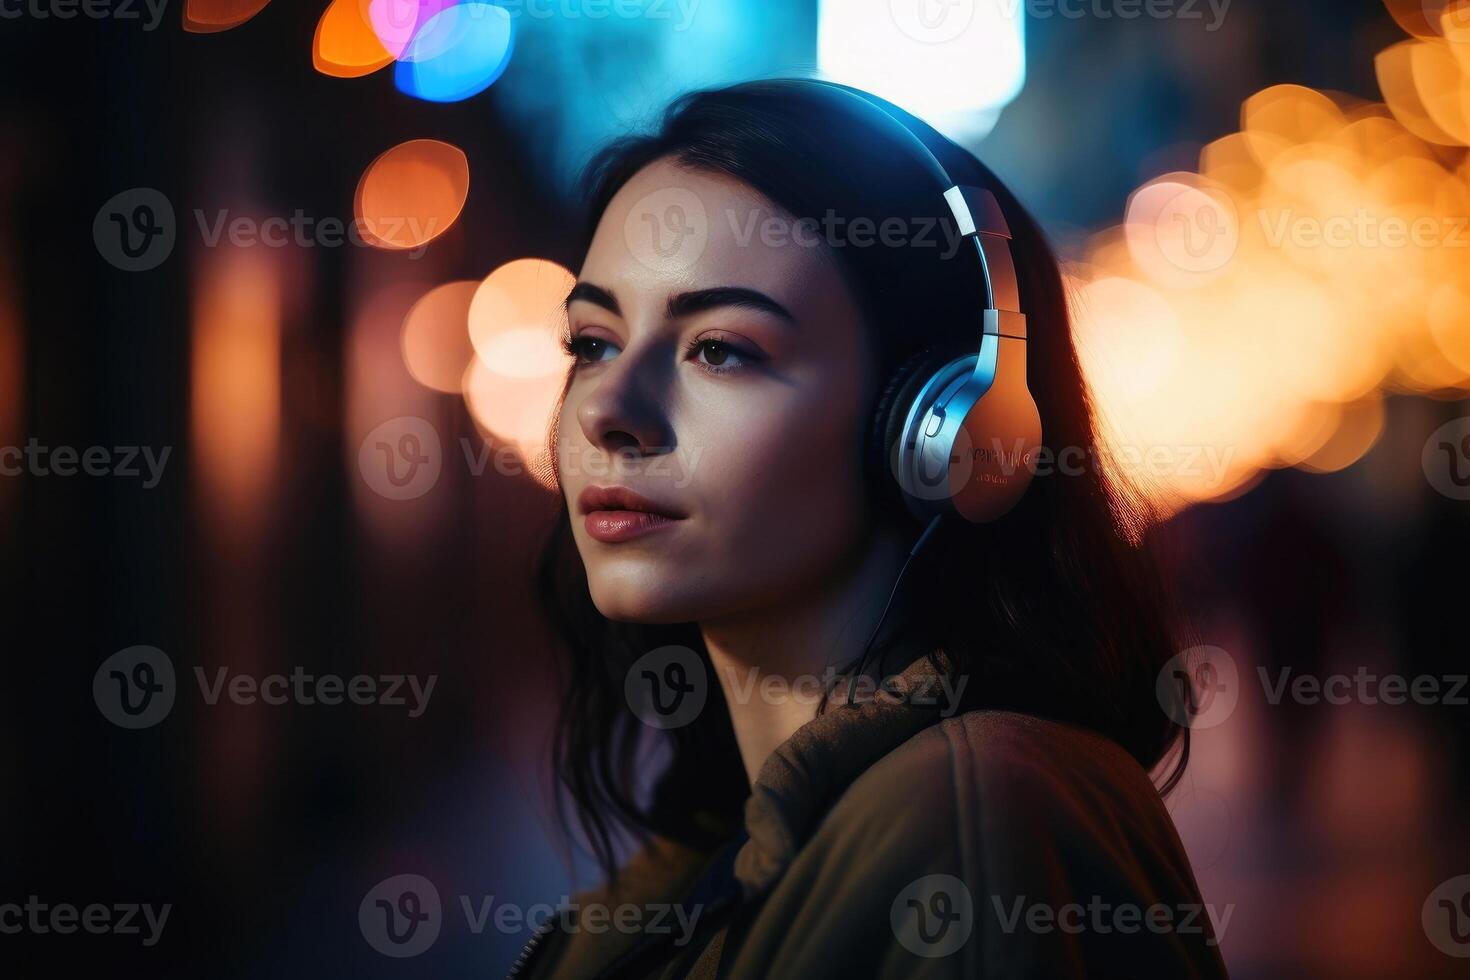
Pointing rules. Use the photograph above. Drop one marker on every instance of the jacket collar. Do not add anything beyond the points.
(806, 773)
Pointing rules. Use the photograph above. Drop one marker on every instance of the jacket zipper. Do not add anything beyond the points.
(536, 943)
(634, 956)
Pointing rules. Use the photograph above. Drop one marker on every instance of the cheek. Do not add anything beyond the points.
(791, 471)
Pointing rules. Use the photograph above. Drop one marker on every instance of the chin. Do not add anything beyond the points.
(649, 602)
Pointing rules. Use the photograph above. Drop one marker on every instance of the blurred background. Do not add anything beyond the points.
(278, 294)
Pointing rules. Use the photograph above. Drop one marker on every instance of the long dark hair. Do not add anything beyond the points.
(1059, 609)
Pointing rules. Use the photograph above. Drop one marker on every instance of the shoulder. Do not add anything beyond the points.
(1005, 767)
(1017, 804)
(1027, 826)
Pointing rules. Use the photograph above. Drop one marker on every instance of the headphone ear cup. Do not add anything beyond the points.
(1002, 433)
(888, 418)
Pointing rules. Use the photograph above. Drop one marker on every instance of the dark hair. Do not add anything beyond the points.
(1059, 609)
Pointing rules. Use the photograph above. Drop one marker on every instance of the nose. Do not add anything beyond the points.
(624, 412)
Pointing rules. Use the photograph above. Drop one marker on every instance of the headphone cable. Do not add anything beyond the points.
(867, 647)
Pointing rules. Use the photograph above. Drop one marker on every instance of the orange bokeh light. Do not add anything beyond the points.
(412, 194)
(236, 383)
(211, 16)
(345, 45)
(516, 321)
(436, 336)
(527, 294)
(1253, 315)
(515, 412)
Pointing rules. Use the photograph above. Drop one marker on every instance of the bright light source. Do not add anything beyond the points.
(955, 63)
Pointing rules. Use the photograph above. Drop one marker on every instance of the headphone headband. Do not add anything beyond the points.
(976, 213)
(939, 425)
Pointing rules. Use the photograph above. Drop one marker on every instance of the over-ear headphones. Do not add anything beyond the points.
(960, 434)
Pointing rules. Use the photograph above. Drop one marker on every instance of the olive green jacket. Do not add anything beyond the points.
(888, 840)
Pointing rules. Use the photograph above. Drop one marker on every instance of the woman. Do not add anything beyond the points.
(765, 276)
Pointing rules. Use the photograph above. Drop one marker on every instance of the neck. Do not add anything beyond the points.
(774, 662)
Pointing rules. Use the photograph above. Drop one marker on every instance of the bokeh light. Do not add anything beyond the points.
(345, 45)
(957, 70)
(412, 194)
(514, 412)
(397, 22)
(516, 322)
(236, 390)
(436, 336)
(1255, 314)
(1427, 18)
(524, 297)
(210, 16)
(457, 53)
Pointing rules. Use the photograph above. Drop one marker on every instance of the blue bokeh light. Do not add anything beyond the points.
(459, 52)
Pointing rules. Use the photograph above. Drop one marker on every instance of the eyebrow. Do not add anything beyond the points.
(687, 304)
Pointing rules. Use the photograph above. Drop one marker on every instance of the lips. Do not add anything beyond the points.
(616, 514)
(621, 498)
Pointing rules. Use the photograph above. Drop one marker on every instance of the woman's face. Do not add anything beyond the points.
(721, 370)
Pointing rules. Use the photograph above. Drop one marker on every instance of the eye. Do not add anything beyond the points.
(585, 349)
(715, 356)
